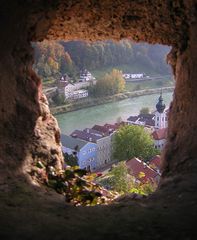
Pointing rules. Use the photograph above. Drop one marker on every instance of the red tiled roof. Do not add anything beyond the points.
(155, 162)
(101, 129)
(85, 136)
(160, 134)
(111, 126)
(137, 166)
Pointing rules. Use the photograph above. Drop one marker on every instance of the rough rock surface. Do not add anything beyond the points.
(28, 132)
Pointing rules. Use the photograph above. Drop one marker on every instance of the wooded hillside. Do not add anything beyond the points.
(55, 58)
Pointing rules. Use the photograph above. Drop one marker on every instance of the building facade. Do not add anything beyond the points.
(102, 141)
(85, 76)
(159, 137)
(86, 152)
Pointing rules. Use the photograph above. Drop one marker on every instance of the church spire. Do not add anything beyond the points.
(160, 106)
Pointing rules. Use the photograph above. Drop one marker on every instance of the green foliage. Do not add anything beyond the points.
(132, 141)
(112, 83)
(144, 110)
(58, 98)
(53, 59)
(78, 186)
(70, 160)
(118, 179)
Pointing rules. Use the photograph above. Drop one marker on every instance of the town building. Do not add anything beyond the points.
(85, 76)
(159, 137)
(86, 152)
(133, 75)
(82, 93)
(63, 81)
(103, 142)
(142, 120)
(141, 171)
(156, 120)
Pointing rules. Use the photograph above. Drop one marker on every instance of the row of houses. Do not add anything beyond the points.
(92, 146)
(75, 90)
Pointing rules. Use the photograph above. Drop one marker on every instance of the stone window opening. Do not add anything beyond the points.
(29, 132)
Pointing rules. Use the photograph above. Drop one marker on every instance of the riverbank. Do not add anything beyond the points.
(90, 102)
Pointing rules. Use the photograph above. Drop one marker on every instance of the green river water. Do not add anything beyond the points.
(108, 113)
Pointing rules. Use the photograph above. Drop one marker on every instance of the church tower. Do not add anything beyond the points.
(160, 114)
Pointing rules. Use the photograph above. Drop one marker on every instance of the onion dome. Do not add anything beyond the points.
(160, 106)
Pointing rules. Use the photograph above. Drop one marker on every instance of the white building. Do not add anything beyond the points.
(161, 119)
(160, 136)
(133, 75)
(86, 76)
(82, 93)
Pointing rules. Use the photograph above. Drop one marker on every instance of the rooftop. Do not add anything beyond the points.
(137, 166)
(148, 119)
(155, 162)
(72, 143)
(85, 136)
(102, 129)
(93, 131)
(160, 134)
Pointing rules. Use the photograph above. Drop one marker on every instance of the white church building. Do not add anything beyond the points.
(161, 118)
(161, 124)
(157, 122)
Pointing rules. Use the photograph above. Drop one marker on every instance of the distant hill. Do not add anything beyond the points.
(54, 58)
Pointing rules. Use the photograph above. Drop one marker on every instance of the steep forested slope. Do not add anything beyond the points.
(55, 58)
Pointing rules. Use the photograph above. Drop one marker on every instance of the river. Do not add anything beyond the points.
(108, 113)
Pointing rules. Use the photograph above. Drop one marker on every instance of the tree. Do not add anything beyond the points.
(132, 141)
(110, 84)
(119, 180)
(144, 110)
(70, 160)
(58, 98)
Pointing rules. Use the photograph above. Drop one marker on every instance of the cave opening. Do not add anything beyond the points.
(87, 135)
(29, 132)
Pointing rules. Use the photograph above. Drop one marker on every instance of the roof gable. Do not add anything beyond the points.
(136, 167)
(72, 143)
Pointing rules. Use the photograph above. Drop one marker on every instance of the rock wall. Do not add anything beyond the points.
(28, 132)
(181, 150)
